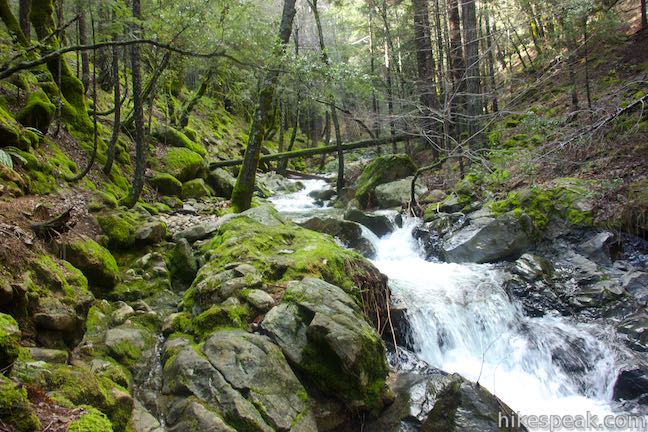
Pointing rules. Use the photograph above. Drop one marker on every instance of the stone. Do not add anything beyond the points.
(151, 233)
(349, 233)
(59, 320)
(173, 137)
(635, 329)
(260, 300)
(15, 408)
(6, 292)
(183, 263)
(394, 194)
(636, 283)
(192, 415)
(433, 196)
(48, 355)
(196, 188)
(126, 344)
(121, 314)
(95, 262)
(597, 248)
(382, 170)
(9, 341)
(323, 195)
(631, 385)
(166, 184)
(184, 164)
(490, 240)
(222, 182)
(143, 421)
(378, 224)
(197, 232)
(321, 330)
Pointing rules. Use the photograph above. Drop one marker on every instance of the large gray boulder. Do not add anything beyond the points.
(239, 377)
(394, 194)
(378, 224)
(349, 233)
(222, 182)
(488, 240)
(321, 330)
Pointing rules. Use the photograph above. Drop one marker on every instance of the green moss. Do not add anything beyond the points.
(183, 164)
(95, 261)
(9, 342)
(216, 317)
(120, 227)
(103, 199)
(61, 277)
(38, 112)
(126, 353)
(166, 184)
(92, 420)
(196, 188)
(175, 138)
(15, 409)
(382, 170)
(11, 133)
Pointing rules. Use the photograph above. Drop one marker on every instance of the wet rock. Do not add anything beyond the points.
(222, 182)
(349, 233)
(433, 401)
(196, 188)
(636, 283)
(598, 247)
(148, 276)
(394, 194)
(632, 385)
(151, 233)
(197, 232)
(433, 196)
(127, 344)
(635, 328)
(143, 421)
(271, 183)
(382, 170)
(15, 408)
(378, 224)
(6, 292)
(322, 331)
(323, 195)
(490, 240)
(9, 341)
(596, 295)
(122, 313)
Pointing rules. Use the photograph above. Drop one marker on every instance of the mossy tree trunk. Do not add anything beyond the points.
(473, 74)
(138, 115)
(112, 146)
(23, 15)
(12, 24)
(242, 194)
(183, 118)
(83, 40)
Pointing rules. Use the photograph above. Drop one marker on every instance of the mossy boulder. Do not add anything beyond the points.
(232, 316)
(280, 251)
(92, 420)
(95, 261)
(175, 138)
(38, 112)
(148, 276)
(166, 184)
(384, 169)
(196, 188)
(11, 134)
(222, 182)
(184, 164)
(183, 265)
(9, 342)
(321, 329)
(120, 227)
(15, 409)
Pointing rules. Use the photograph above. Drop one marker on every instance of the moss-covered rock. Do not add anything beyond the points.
(95, 261)
(92, 420)
(196, 188)
(382, 170)
(120, 227)
(233, 316)
(10, 132)
(184, 164)
(280, 251)
(166, 184)
(15, 408)
(9, 342)
(38, 112)
(175, 138)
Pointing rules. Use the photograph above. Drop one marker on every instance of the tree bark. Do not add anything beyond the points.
(183, 118)
(83, 40)
(12, 24)
(138, 115)
(457, 68)
(112, 145)
(644, 16)
(425, 70)
(473, 81)
(24, 6)
(242, 194)
(491, 62)
(375, 107)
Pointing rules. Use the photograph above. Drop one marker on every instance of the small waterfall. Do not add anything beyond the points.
(463, 321)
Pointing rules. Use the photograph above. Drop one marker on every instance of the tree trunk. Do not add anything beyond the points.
(375, 108)
(283, 166)
(473, 81)
(389, 49)
(425, 70)
(644, 16)
(242, 194)
(112, 145)
(83, 40)
(12, 24)
(24, 7)
(183, 118)
(331, 99)
(491, 62)
(457, 69)
(104, 63)
(138, 114)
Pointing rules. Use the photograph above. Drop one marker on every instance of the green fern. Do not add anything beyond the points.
(8, 154)
(5, 159)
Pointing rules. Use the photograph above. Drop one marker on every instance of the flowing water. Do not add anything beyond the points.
(463, 321)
